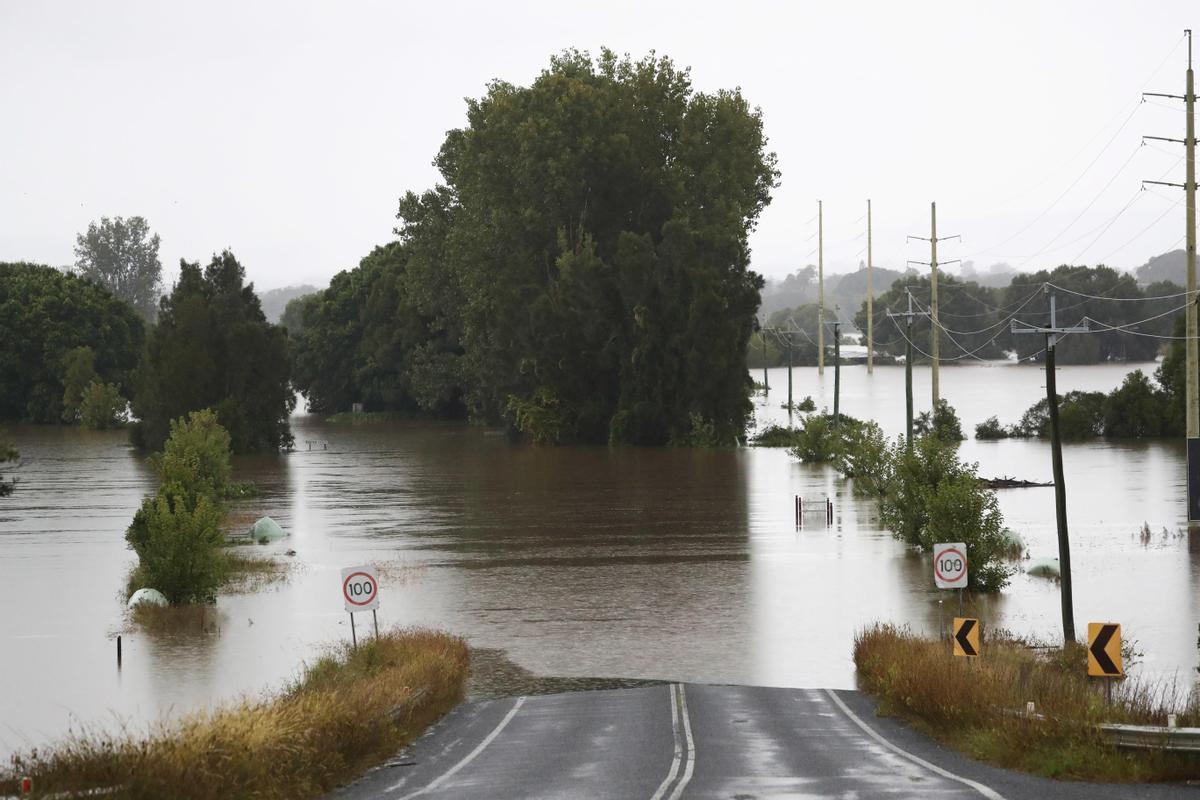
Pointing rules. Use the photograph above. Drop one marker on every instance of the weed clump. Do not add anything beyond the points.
(977, 706)
(349, 710)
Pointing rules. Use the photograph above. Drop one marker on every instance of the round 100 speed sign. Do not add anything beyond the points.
(950, 565)
(360, 589)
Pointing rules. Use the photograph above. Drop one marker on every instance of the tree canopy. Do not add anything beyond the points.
(213, 348)
(121, 254)
(44, 315)
(582, 274)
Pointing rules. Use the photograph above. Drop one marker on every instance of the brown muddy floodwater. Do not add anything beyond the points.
(574, 561)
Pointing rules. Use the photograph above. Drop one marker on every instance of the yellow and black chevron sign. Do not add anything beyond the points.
(966, 637)
(1104, 650)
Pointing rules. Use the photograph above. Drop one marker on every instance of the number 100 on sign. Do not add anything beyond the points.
(950, 565)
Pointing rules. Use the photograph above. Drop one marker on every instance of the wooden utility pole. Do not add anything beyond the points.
(766, 384)
(1060, 489)
(870, 300)
(837, 367)
(1192, 372)
(789, 349)
(820, 290)
(908, 356)
(932, 263)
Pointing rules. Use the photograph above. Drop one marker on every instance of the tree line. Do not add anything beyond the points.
(1127, 318)
(76, 353)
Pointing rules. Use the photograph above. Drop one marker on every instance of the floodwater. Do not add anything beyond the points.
(575, 561)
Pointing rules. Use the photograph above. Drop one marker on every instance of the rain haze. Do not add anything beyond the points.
(288, 131)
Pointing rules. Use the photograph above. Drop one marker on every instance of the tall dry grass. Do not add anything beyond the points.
(350, 710)
(970, 704)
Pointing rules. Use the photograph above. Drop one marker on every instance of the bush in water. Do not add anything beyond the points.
(177, 534)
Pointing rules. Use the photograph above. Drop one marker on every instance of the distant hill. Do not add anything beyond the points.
(848, 290)
(274, 301)
(996, 276)
(1170, 266)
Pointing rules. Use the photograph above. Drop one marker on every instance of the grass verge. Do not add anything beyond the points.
(348, 711)
(963, 703)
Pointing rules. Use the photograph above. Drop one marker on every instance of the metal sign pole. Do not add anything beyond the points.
(376, 620)
(353, 635)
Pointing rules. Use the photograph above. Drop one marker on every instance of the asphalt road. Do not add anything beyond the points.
(686, 740)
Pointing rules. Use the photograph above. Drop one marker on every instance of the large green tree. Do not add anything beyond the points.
(122, 254)
(44, 316)
(600, 236)
(582, 274)
(213, 348)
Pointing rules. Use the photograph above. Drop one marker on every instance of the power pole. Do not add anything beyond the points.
(1060, 489)
(1193, 381)
(932, 263)
(789, 349)
(908, 400)
(820, 290)
(870, 300)
(762, 335)
(837, 365)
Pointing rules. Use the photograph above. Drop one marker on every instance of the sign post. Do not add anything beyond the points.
(360, 592)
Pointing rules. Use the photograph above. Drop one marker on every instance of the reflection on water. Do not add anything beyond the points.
(576, 562)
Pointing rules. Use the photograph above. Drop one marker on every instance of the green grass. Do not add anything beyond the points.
(350, 710)
(963, 702)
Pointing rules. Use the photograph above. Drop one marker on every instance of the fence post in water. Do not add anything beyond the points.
(118, 651)
(828, 511)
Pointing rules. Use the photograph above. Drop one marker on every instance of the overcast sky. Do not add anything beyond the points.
(287, 131)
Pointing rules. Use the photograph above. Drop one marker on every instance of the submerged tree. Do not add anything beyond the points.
(177, 534)
(213, 348)
(583, 274)
(121, 254)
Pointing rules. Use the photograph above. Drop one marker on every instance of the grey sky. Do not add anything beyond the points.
(287, 131)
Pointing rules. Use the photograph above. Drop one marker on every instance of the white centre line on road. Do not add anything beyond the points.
(685, 750)
(662, 787)
(512, 712)
(691, 747)
(987, 792)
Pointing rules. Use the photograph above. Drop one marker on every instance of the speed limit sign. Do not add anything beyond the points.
(360, 589)
(950, 565)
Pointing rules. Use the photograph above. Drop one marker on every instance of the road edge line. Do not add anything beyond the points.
(675, 761)
(986, 791)
(479, 748)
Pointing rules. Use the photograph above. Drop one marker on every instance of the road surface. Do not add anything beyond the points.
(698, 741)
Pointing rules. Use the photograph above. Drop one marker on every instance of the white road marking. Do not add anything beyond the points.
(691, 747)
(987, 792)
(662, 787)
(469, 757)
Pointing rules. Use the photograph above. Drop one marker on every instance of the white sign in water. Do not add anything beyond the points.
(360, 589)
(950, 565)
